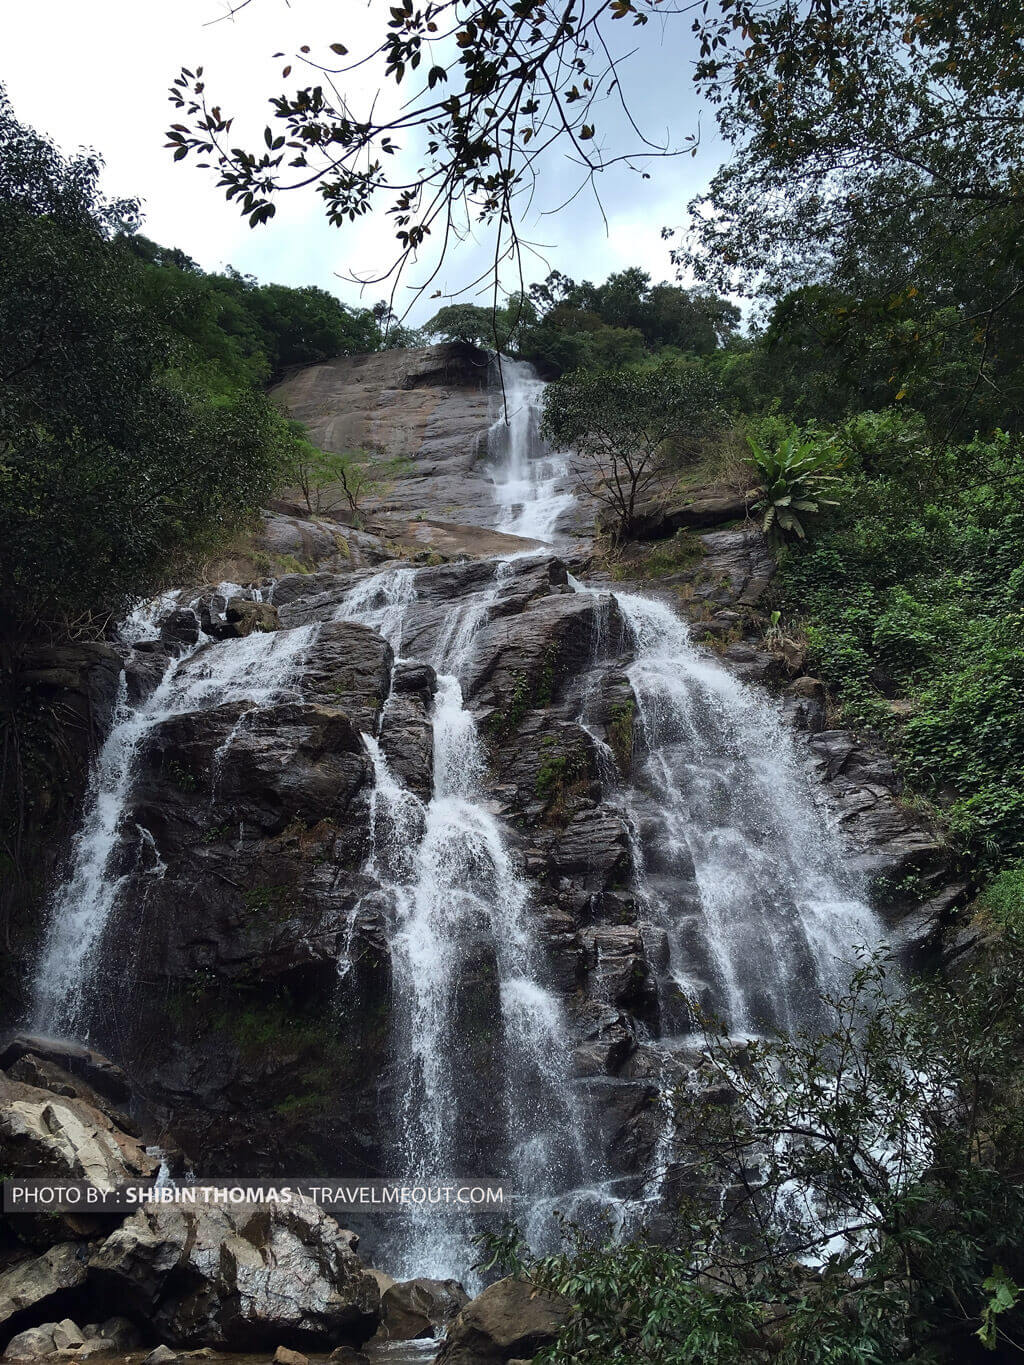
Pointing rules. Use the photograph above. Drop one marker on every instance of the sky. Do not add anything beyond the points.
(97, 76)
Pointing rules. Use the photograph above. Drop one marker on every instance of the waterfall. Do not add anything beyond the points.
(257, 669)
(460, 910)
(739, 865)
(746, 905)
(530, 481)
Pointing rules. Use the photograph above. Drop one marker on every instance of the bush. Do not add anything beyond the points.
(857, 1194)
(912, 589)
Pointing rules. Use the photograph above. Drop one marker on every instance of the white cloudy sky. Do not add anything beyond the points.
(97, 75)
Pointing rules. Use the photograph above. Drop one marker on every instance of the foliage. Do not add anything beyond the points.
(492, 328)
(876, 172)
(912, 591)
(620, 322)
(792, 479)
(617, 422)
(499, 87)
(332, 480)
(862, 1196)
(253, 333)
(1002, 900)
(113, 457)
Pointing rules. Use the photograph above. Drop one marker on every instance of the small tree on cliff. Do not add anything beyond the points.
(617, 422)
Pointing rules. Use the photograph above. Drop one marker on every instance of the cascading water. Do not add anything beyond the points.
(744, 900)
(257, 669)
(738, 865)
(530, 481)
(459, 910)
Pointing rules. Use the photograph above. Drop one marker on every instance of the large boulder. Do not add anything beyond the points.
(510, 1320)
(244, 1278)
(64, 1137)
(419, 1308)
(41, 1284)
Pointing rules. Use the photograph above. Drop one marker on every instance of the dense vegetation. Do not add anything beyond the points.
(134, 429)
(885, 1150)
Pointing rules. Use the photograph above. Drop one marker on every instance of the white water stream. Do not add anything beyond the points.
(531, 482)
(738, 870)
(460, 910)
(259, 670)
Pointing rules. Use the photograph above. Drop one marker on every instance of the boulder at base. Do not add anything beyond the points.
(419, 1308)
(244, 1278)
(510, 1320)
(42, 1283)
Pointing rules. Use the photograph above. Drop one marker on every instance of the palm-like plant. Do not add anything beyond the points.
(793, 478)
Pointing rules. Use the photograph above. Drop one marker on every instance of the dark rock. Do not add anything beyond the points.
(407, 733)
(510, 1319)
(864, 789)
(100, 1073)
(419, 1308)
(180, 627)
(803, 704)
(658, 520)
(920, 932)
(349, 666)
(241, 1278)
(245, 616)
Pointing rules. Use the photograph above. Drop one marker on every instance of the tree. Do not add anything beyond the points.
(878, 150)
(113, 458)
(855, 1193)
(331, 480)
(496, 329)
(617, 422)
(494, 89)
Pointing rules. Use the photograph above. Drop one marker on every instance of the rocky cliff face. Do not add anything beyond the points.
(485, 751)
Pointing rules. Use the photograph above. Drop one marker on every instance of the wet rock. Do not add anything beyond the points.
(347, 1355)
(180, 627)
(407, 732)
(349, 666)
(803, 704)
(244, 616)
(419, 1308)
(527, 660)
(619, 966)
(246, 1278)
(863, 787)
(43, 1283)
(593, 849)
(920, 933)
(510, 1319)
(752, 664)
(100, 1074)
